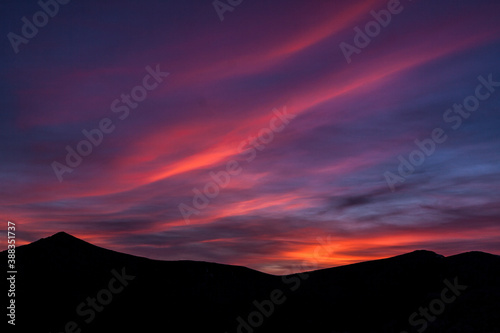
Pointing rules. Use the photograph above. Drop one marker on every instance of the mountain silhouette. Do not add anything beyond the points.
(65, 284)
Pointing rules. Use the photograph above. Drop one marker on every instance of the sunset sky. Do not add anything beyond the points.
(317, 177)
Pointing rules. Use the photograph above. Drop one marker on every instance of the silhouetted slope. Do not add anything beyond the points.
(57, 274)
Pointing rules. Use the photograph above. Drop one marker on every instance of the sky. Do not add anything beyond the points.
(277, 135)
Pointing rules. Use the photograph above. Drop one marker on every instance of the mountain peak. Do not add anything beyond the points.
(426, 253)
(71, 245)
(62, 239)
(62, 235)
(418, 255)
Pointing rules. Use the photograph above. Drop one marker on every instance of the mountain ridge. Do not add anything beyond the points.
(58, 273)
(64, 238)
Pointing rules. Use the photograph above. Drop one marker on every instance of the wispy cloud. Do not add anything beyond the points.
(321, 176)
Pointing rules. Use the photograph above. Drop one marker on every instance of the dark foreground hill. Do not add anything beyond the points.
(67, 285)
